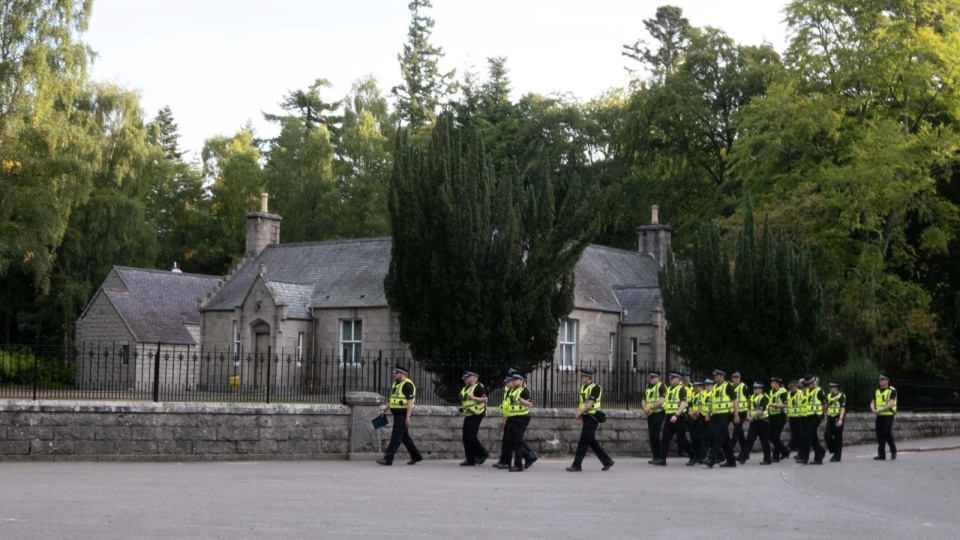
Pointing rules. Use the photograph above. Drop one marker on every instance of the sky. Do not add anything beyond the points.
(220, 64)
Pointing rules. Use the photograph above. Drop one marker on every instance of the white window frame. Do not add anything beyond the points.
(355, 345)
(301, 342)
(634, 353)
(611, 347)
(236, 337)
(568, 349)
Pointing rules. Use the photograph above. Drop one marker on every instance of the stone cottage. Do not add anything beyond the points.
(326, 300)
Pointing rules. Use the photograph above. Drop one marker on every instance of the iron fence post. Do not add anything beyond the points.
(36, 356)
(156, 375)
(269, 362)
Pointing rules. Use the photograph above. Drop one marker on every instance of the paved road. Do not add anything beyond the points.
(915, 496)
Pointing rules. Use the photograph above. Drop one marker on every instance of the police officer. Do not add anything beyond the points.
(695, 419)
(836, 411)
(590, 394)
(706, 400)
(403, 393)
(529, 456)
(777, 412)
(884, 405)
(652, 405)
(724, 409)
(740, 388)
(759, 425)
(517, 418)
(795, 406)
(675, 408)
(815, 408)
(473, 404)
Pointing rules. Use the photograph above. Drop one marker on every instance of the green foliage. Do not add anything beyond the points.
(763, 315)
(424, 86)
(482, 264)
(21, 367)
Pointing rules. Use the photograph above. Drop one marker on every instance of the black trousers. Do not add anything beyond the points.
(506, 451)
(720, 448)
(758, 429)
(588, 439)
(513, 430)
(472, 447)
(738, 437)
(810, 439)
(777, 422)
(696, 436)
(833, 436)
(706, 438)
(884, 427)
(680, 429)
(654, 425)
(400, 434)
(796, 429)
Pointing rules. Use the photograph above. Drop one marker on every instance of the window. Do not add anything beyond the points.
(610, 349)
(351, 338)
(125, 354)
(301, 341)
(633, 353)
(568, 344)
(236, 337)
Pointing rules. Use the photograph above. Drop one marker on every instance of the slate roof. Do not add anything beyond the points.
(342, 273)
(293, 295)
(157, 304)
(350, 273)
(638, 304)
(602, 270)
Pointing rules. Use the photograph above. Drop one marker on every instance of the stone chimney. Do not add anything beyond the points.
(263, 229)
(654, 239)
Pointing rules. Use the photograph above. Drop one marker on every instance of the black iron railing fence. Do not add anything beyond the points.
(112, 371)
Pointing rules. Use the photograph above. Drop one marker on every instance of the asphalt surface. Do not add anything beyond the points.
(915, 496)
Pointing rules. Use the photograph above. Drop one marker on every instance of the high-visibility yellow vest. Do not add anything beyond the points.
(397, 399)
(803, 400)
(814, 405)
(471, 407)
(721, 402)
(742, 400)
(653, 395)
(706, 402)
(881, 398)
(672, 404)
(755, 402)
(794, 404)
(833, 403)
(511, 405)
(776, 396)
(694, 402)
(585, 391)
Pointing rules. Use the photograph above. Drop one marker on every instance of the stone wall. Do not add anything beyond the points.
(111, 431)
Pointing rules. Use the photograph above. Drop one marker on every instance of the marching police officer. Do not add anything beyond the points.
(402, 396)
(884, 405)
(815, 407)
(529, 456)
(777, 412)
(675, 408)
(724, 409)
(590, 394)
(795, 409)
(759, 425)
(473, 404)
(836, 411)
(740, 388)
(706, 407)
(652, 404)
(695, 419)
(516, 418)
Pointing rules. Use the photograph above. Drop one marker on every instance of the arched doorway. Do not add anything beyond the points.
(261, 353)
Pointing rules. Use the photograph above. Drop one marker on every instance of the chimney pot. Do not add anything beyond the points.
(264, 202)
(654, 215)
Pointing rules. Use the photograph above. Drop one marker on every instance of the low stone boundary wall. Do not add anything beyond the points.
(134, 431)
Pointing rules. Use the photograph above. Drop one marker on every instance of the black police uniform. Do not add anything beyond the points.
(833, 434)
(400, 433)
(588, 433)
(721, 448)
(655, 419)
(678, 428)
(810, 437)
(474, 450)
(759, 428)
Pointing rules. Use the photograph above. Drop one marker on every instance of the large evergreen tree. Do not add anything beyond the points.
(761, 315)
(482, 265)
(424, 86)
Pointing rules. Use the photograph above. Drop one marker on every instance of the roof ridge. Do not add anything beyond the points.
(164, 272)
(330, 242)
